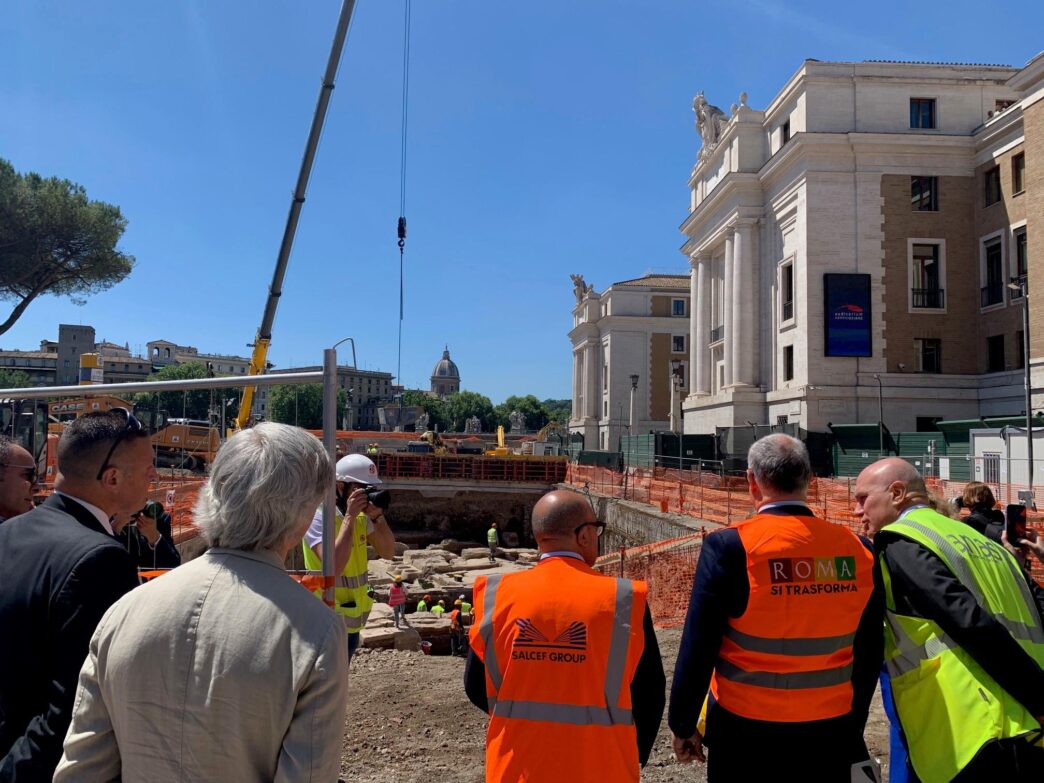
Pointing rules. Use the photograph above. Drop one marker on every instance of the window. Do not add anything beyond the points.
(782, 420)
(1020, 350)
(788, 363)
(784, 133)
(993, 187)
(922, 113)
(995, 353)
(1018, 173)
(925, 277)
(678, 307)
(605, 377)
(66, 362)
(991, 467)
(786, 291)
(678, 343)
(993, 291)
(924, 194)
(1021, 262)
(929, 354)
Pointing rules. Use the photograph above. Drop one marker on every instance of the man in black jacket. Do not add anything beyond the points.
(147, 538)
(60, 570)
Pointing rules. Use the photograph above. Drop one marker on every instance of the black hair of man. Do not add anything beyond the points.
(86, 440)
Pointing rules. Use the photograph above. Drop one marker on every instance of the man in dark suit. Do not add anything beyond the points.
(60, 570)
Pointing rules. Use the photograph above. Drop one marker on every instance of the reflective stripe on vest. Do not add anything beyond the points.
(958, 563)
(943, 697)
(351, 598)
(807, 577)
(560, 644)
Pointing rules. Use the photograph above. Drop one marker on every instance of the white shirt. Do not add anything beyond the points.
(562, 553)
(778, 503)
(100, 515)
(314, 534)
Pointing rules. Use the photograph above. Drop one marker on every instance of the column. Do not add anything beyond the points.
(578, 393)
(592, 365)
(744, 298)
(699, 328)
(726, 309)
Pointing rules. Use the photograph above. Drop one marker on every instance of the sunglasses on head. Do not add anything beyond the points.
(132, 425)
(29, 471)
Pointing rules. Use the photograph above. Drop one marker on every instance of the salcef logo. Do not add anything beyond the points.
(532, 644)
(810, 575)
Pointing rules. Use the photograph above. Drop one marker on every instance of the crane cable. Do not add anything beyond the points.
(401, 228)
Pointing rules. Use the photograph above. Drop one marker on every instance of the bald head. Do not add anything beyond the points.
(557, 514)
(884, 490)
(892, 469)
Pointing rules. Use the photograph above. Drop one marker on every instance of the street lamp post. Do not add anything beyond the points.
(880, 416)
(1019, 284)
(630, 421)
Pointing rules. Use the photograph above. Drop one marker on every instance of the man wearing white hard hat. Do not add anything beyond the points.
(363, 506)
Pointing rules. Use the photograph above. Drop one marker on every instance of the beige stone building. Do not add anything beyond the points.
(629, 342)
(859, 244)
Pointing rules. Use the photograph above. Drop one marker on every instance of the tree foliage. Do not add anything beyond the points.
(462, 405)
(433, 406)
(192, 404)
(13, 379)
(535, 413)
(54, 240)
(302, 405)
(558, 410)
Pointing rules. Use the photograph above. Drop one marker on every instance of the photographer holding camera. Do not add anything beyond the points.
(363, 506)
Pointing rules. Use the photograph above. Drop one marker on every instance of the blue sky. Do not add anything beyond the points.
(546, 138)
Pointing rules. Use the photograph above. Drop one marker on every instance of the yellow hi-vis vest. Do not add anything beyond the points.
(350, 589)
(947, 704)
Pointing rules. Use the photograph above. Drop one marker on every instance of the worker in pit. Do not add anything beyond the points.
(356, 476)
(465, 606)
(493, 541)
(424, 604)
(784, 629)
(458, 638)
(439, 608)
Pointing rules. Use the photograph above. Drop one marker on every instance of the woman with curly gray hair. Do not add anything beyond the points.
(225, 668)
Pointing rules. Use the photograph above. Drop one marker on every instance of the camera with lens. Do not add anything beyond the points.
(378, 497)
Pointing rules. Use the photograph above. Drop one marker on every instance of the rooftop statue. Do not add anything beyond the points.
(710, 123)
(580, 288)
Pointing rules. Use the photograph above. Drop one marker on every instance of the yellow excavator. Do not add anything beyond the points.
(501, 450)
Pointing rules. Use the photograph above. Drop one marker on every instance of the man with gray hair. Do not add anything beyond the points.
(225, 668)
(782, 642)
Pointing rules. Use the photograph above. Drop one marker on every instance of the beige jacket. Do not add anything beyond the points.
(223, 670)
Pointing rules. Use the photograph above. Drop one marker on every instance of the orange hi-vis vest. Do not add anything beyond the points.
(560, 644)
(788, 657)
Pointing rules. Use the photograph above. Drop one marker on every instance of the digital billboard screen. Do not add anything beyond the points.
(846, 309)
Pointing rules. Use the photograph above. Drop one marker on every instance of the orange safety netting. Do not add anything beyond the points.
(669, 565)
(178, 496)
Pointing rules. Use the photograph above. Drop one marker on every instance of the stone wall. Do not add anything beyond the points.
(466, 516)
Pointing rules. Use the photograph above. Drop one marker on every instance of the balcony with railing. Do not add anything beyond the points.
(992, 294)
(788, 310)
(1018, 293)
(717, 333)
(928, 298)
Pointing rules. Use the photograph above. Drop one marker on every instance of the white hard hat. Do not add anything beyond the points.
(357, 469)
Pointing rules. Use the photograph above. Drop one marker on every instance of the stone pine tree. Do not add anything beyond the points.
(302, 404)
(54, 240)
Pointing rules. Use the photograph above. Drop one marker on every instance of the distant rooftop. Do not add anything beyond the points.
(659, 281)
(929, 62)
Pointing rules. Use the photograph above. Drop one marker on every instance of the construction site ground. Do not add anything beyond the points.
(409, 721)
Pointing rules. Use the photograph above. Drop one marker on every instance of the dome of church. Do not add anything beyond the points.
(445, 368)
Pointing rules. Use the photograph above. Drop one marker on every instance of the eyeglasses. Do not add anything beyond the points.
(133, 425)
(599, 526)
(30, 470)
